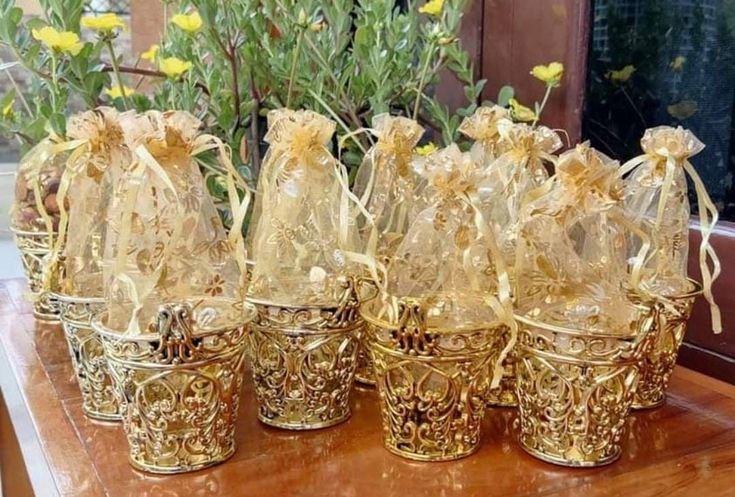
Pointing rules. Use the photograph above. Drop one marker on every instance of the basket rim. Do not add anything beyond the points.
(363, 310)
(272, 303)
(579, 332)
(99, 326)
(76, 299)
(17, 231)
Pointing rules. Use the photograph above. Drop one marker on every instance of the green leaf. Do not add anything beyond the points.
(57, 123)
(505, 94)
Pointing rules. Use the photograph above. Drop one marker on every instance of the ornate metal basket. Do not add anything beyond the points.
(576, 388)
(432, 383)
(87, 356)
(304, 360)
(657, 365)
(34, 247)
(179, 385)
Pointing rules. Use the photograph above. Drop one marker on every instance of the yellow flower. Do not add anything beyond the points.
(446, 40)
(520, 112)
(551, 74)
(678, 63)
(8, 110)
(316, 26)
(621, 75)
(58, 41)
(427, 149)
(106, 23)
(116, 92)
(432, 7)
(188, 22)
(173, 67)
(151, 53)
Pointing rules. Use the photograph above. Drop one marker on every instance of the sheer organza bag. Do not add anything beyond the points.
(386, 182)
(656, 199)
(523, 165)
(571, 260)
(86, 186)
(304, 218)
(165, 240)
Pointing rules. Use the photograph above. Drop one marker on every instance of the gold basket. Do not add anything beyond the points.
(576, 388)
(179, 387)
(34, 248)
(88, 357)
(304, 360)
(657, 365)
(432, 383)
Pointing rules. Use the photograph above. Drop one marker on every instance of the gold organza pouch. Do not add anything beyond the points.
(36, 207)
(520, 168)
(303, 222)
(87, 187)
(386, 182)
(449, 257)
(482, 127)
(165, 240)
(571, 261)
(656, 199)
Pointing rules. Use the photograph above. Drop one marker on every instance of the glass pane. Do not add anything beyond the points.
(655, 62)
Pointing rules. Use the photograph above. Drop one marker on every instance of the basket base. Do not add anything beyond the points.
(571, 464)
(166, 470)
(430, 458)
(286, 425)
(653, 405)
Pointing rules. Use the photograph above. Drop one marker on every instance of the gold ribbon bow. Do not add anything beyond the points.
(669, 149)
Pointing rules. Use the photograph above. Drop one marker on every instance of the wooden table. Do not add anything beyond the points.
(684, 448)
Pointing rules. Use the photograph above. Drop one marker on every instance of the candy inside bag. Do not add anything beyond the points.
(166, 242)
(656, 199)
(571, 263)
(386, 182)
(304, 220)
(35, 207)
(86, 187)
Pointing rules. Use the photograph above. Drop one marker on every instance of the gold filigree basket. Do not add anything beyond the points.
(179, 385)
(304, 360)
(576, 388)
(432, 383)
(657, 365)
(88, 357)
(34, 249)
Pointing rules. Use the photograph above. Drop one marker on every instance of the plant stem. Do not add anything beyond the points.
(543, 104)
(254, 128)
(292, 76)
(18, 91)
(116, 70)
(422, 79)
(54, 81)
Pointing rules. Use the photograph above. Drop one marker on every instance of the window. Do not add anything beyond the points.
(655, 62)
